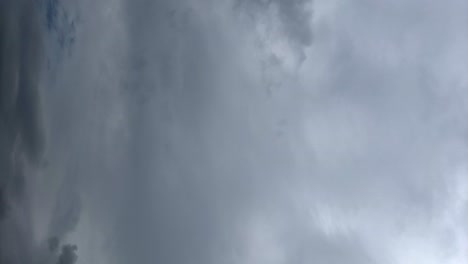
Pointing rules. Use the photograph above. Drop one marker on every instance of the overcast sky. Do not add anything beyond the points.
(235, 131)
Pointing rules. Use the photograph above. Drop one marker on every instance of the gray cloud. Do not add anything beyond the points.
(21, 131)
(283, 28)
(67, 210)
(294, 16)
(167, 142)
(360, 143)
(68, 255)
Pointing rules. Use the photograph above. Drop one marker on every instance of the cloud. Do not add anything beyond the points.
(293, 16)
(364, 132)
(21, 128)
(168, 143)
(283, 28)
(4, 206)
(67, 210)
(68, 255)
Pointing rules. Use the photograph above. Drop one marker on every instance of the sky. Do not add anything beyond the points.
(234, 131)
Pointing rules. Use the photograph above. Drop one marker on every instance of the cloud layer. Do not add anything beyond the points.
(244, 131)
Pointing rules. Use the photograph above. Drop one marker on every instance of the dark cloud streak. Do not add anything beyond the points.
(21, 132)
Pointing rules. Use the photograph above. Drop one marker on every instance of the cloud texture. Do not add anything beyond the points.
(247, 131)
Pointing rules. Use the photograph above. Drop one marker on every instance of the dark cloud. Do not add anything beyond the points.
(53, 243)
(163, 146)
(68, 255)
(4, 206)
(21, 131)
(67, 210)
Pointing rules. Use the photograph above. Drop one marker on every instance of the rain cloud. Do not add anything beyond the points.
(234, 131)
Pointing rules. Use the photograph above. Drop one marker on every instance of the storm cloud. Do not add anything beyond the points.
(21, 132)
(234, 131)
